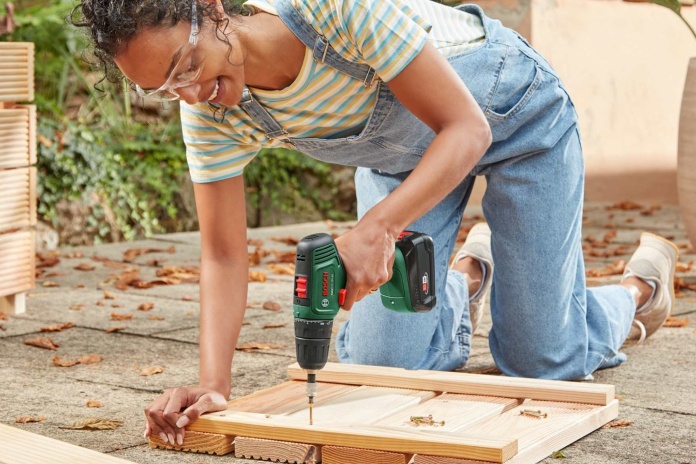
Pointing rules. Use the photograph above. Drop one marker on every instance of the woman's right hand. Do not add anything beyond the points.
(177, 407)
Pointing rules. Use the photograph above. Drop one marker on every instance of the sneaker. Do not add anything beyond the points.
(655, 262)
(478, 246)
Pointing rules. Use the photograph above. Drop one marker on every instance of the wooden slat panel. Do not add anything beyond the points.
(457, 382)
(17, 274)
(343, 455)
(277, 451)
(375, 438)
(19, 208)
(17, 80)
(21, 447)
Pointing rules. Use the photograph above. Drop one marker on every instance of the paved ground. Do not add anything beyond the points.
(656, 385)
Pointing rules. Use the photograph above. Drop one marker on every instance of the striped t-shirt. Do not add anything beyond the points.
(323, 102)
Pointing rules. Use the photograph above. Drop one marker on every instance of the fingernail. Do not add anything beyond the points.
(171, 438)
(179, 439)
(182, 422)
(163, 437)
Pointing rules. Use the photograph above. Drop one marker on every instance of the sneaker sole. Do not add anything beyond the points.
(674, 252)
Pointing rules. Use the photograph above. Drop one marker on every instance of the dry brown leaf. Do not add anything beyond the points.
(94, 404)
(617, 423)
(284, 257)
(675, 323)
(43, 342)
(109, 296)
(253, 304)
(256, 257)
(93, 424)
(29, 419)
(685, 267)
(146, 306)
(156, 318)
(130, 255)
(178, 274)
(292, 241)
(152, 370)
(187, 298)
(115, 329)
(116, 305)
(275, 326)
(49, 283)
(74, 255)
(91, 359)
(121, 317)
(256, 346)
(271, 306)
(57, 327)
(615, 268)
(100, 303)
(58, 362)
(2, 316)
(47, 259)
(625, 206)
(282, 269)
(85, 267)
(254, 242)
(257, 276)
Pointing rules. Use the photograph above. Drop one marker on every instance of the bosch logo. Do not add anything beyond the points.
(425, 283)
(325, 284)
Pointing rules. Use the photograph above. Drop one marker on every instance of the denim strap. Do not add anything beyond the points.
(322, 50)
(262, 118)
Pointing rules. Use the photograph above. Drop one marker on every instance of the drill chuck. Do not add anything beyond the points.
(312, 339)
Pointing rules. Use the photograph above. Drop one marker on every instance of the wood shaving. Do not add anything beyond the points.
(617, 423)
(256, 346)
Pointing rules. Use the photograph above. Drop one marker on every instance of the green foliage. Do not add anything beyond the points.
(675, 6)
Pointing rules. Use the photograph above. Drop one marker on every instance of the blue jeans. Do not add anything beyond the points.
(546, 323)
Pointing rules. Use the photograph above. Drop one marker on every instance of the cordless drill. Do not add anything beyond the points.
(320, 281)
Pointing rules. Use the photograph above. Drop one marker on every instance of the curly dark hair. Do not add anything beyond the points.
(111, 24)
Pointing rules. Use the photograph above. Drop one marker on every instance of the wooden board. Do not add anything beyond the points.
(458, 382)
(20, 447)
(17, 136)
(16, 262)
(17, 76)
(367, 423)
(18, 200)
(277, 451)
(198, 442)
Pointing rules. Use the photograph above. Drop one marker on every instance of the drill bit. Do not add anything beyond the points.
(311, 393)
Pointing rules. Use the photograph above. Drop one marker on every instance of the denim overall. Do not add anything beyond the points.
(546, 324)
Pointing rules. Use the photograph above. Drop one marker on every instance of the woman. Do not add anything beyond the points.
(422, 98)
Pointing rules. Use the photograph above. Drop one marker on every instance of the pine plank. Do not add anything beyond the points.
(457, 382)
(277, 451)
(539, 437)
(22, 447)
(18, 249)
(14, 304)
(343, 455)
(374, 438)
(198, 442)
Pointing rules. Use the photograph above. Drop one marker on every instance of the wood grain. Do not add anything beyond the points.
(17, 78)
(457, 382)
(17, 273)
(343, 455)
(22, 447)
(198, 442)
(277, 451)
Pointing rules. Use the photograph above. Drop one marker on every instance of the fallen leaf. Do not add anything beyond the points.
(77, 307)
(121, 317)
(74, 255)
(179, 274)
(186, 298)
(685, 267)
(91, 359)
(43, 342)
(284, 256)
(156, 318)
(152, 370)
(130, 255)
(29, 419)
(625, 206)
(85, 267)
(58, 362)
(253, 304)
(146, 306)
(93, 424)
(2, 316)
(255, 346)
(116, 305)
(256, 257)
(94, 404)
(49, 283)
(282, 269)
(115, 329)
(109, 296)
(275, 326)
(100, 303)
(617, 423)
(2, 327)
(80, 286)
(47, 259)
(675, 323)
(558, 455)
(254, 242)
(292, 241)
(57, 327)
(257, 276)
(271, 306)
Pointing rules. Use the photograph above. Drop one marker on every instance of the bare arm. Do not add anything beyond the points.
(224, 280)
(430, 88)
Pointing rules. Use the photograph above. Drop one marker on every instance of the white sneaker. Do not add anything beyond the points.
(478, 247)
(655, 262)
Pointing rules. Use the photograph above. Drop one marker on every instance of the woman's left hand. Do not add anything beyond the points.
(367, 253)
